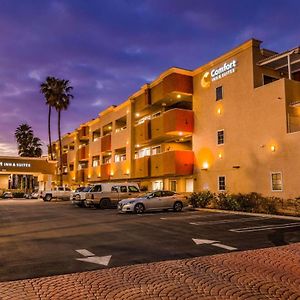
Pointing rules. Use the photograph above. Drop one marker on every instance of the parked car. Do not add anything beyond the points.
(60, 192)
(33, 195)
(78, 197)
(105, 195)
(7, 195)
(157, 200)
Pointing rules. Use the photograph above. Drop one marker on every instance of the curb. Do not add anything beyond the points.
(248, 214)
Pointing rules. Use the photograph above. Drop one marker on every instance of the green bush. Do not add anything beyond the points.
(201, 199)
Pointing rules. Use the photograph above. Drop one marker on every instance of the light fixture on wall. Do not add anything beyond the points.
(205, 165)
(273, 148)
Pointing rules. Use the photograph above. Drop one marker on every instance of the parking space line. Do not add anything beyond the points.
(195, 216)
(265, 227)
(248, 219)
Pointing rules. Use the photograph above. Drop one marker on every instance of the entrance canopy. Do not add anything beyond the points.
(287, 62)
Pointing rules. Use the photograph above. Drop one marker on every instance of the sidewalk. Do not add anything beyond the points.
(272, 273)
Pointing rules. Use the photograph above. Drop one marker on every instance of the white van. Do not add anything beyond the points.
(105, 195)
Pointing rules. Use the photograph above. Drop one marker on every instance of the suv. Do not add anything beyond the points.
(105, 195)
(60, 192)
(78, 196)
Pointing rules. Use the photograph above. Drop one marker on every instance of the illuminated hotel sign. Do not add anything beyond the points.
(14, 164)
(223, 71)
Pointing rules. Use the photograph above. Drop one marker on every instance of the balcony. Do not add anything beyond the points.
(171, 86)
(142, 167)
(142, 132)
(180, 162)
(83, 153)
(142, 101)
(105, 171)
(106, 143)
(83, 133)
(65, 159)
(174, 122)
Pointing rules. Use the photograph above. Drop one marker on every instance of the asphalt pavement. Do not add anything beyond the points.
(50, 238)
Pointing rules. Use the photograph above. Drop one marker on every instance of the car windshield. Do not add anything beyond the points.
(87, 189)
(80, 189)
(146, 195)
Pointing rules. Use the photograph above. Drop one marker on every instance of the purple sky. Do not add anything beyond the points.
(109, 48)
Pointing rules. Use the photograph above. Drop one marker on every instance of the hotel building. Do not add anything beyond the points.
(230, 125)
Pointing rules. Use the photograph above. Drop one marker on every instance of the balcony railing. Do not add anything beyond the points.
(106, 143)
(172, 85)
(142, 167)
(176, 122)
(142, 132)
(178, 162)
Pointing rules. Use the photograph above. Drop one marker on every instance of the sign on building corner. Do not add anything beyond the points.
(13, 164)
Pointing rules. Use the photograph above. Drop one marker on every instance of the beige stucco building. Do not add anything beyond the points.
(26, 173)
(230, 125)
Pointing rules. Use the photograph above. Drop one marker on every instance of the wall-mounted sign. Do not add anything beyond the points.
(223, 71)
(14, 164)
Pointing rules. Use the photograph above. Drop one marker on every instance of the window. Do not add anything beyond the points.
(221, 183)
(173, 185)
(114, 189)
(276, 179)
(96, 188)
(71, 167)
(168, 193)
(156, 150)
(123, 189)
(71, 147)
(133, 189)
(106, 160)
(96, 135)
(219, 93)
(157, 185)
(95, 161)
(220, 137)
(120, 157)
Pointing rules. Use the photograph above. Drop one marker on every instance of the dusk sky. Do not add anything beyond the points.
(109, 48)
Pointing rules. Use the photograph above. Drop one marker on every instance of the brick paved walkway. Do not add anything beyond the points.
(272, 273)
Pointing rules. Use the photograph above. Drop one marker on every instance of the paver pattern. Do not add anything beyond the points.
(272, 273)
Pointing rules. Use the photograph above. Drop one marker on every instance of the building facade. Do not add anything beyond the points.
(26, 173)
(231, 125)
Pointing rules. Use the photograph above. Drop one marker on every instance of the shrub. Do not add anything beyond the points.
(201, 199)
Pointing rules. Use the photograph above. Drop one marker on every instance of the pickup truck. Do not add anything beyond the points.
(59, 192)
(106, 195)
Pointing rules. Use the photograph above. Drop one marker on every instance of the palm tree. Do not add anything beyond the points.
(48, 88)
(62, 95)
(28, 144)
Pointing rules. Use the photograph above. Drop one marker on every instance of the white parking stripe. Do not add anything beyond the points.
(85, 252)
(224, 246)
(266, 227)
(249, 219)
(195, 216)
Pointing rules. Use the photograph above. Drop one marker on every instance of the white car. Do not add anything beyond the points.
(60, 192)
(79, 196)
(157, 200)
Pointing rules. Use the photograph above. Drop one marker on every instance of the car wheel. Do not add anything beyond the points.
(104, 203)
(48, 197)
(177, 206)
(139, 208)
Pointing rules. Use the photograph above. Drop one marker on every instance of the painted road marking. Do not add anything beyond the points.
(99, 260)
(85, 252)
(266, 227)
(213, 243)
(249, 219)
(92, 258)
(195, 216)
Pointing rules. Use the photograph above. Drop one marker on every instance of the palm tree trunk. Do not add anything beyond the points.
(60, 152)
(49, 132)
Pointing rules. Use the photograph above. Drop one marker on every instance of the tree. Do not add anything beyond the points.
(61, 96)
(48, 88)
(28, 144)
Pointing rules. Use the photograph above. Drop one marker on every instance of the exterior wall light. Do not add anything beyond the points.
(220, 155)
(137, 146)
(178, 96)
(219, 111)
(180, 133)
(112, 173)
(273, 148)
(137, 115)
(205, 165)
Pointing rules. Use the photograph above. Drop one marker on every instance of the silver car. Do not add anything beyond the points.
(157, 200)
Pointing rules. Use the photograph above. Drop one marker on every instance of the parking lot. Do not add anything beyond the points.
(40, 238)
